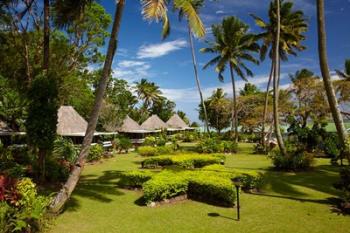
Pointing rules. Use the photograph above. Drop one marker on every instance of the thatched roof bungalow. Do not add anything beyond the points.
(154, 123)
(175, 123)
(70, 123)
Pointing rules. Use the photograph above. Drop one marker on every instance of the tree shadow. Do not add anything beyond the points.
(96, 188)
(215, 215)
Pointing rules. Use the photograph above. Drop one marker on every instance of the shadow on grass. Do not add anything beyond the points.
(216, 215)
(320, 179)
(97, 188)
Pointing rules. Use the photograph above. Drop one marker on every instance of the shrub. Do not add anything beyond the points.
(230, 147)
(190, 136)
(295, 160)
(157, 161)
(250, 179)
(332, 146)
(122, 143)
(147, 150)
(96, 153)
(149, 141)
(161, 140)
(188, 161)
(25, 213)
(212, 189)
(163, 150)
(259, 149)
(210, 145)
(65, 149)
(344, 186)
(164, 186)
(57, 170)
(135, 178)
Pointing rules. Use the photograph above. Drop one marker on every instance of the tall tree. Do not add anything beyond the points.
(63, 195)
(234, 46)
(343, 84)
(276, 80)
(149, 92)
(332, 100)
(293, 26)
(196, 4)
(151, 10)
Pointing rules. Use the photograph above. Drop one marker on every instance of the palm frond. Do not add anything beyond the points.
(194, 20)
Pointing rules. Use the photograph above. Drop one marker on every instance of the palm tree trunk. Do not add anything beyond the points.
(276, 83)
(46, 34)
(73, 179)
(332, 100)
(234, 109)
(265, 107)
(197, 79)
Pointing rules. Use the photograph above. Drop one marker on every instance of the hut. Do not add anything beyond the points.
(9, 136)
(133, 130)
(154, 123)
(70, 123)
(176, 123)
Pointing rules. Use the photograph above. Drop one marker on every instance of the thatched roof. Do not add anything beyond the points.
(176, 122)
(153, 123)
(70, 123)
(129, 126)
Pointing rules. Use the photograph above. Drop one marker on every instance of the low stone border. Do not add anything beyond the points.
(168, 201)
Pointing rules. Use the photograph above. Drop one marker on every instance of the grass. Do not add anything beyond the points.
(289, 202)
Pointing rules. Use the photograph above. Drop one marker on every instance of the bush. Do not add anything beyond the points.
(190, 137)
(122, 143)
(161, 140)
(259, 149)
(96, 153)
(149, 141)
(344, 186)
(57, 170)
(135, 178)
(65, 149)
(295, 160)
(147, 150)
(230, 147)
(157, 161)
(210, 145)
(25, 213)
(163, 150)
(250, 179)
(188, 161)
(332, 146)
(163, 186)
(212, 189)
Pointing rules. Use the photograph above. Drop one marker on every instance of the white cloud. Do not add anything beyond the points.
(160, 49)
(132, 70)
(190, 95)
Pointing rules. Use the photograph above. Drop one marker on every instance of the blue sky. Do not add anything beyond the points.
(143, 54)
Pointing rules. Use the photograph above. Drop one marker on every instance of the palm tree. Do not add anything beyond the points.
(332, 100)
(63, 195)
(151, 10)
(148, 92)
(343, 85)
(196, 4)
(293, 26)
(233, 46)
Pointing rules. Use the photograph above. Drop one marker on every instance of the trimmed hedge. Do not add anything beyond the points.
(147, 151)
(165, 185)
(250, 179)
(188, 161)
(135, 178)
(212, 189)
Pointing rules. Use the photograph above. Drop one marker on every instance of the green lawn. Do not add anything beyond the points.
(288, 202)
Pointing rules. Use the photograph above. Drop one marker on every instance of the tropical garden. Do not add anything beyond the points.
(260, 160)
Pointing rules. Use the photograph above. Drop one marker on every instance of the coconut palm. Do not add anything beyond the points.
(233, 46)
(196, 4)
(343, 84)
(151, 9)
(148, 92)
(328, 85)
(293, 25)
